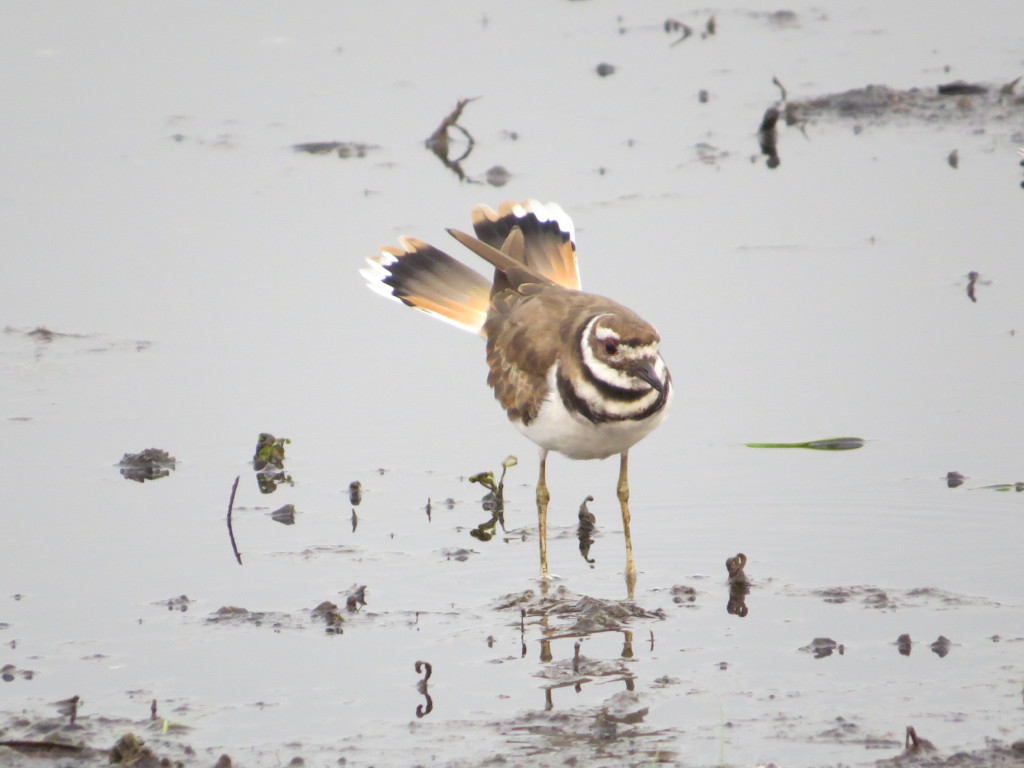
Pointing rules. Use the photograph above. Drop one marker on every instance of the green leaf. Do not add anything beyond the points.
(828, 444)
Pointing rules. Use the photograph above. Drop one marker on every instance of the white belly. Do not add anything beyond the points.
(556, 429)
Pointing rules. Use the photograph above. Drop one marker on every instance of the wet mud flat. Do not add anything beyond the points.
(186, 585)
(979, 109)
(574, 645)
(599, 681)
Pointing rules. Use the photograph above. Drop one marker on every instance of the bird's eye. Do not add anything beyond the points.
(611, 346)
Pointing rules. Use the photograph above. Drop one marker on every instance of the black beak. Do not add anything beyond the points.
(645, 371)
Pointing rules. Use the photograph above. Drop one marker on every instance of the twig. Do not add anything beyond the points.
(781, 88)
(438, 142)
(674, 25)
(231, 531)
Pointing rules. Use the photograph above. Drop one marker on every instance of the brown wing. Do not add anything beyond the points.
(526, 332)
(548, 236)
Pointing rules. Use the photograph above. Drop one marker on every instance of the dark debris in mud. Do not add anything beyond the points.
(355, 493)
(580, 670)
(613, 734)
(232, 614)
(342, 149)
(892, 599)
(9, 673)
(330, 615)
(683, 594)
(330, 550)
(981, 107)
(28, 741)
(179, 603)
(458, 554)
(848, 732)
(944, 104)
(284, 515)
(580, 615)
(923, 753)
(326, 613)
(43, 335)
(149, 464)
(45, 339)
(822, 647)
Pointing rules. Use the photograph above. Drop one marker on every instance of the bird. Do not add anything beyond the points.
(576, 373)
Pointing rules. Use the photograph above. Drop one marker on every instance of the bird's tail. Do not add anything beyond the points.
(549, 247)
(428, 279)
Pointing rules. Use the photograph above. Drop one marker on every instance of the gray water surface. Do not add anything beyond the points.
(200, 280)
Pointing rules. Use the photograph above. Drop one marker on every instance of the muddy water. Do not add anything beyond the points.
(199, 278)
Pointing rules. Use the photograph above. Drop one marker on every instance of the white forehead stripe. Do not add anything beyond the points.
(601, 333)
(648, 351)
(626, 352)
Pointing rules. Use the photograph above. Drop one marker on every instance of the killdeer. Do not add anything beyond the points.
(575, 372)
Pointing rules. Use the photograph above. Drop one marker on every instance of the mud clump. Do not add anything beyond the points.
(150, 464)
(948, 104)
(923, 754)
(581, 614)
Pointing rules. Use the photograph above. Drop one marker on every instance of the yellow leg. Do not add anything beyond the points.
(622, 491)
(543, 497)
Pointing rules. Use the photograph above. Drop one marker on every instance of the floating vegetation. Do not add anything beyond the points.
(268, 461)
(1001, 487)
(328, 613)
(269, 451)
(130, 750)
(493, 501)
(828, 444)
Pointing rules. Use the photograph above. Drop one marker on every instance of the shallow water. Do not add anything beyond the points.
(204, 275)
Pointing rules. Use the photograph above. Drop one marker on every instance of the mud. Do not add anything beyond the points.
(979, 106)
(150, 464)
(793, 608)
